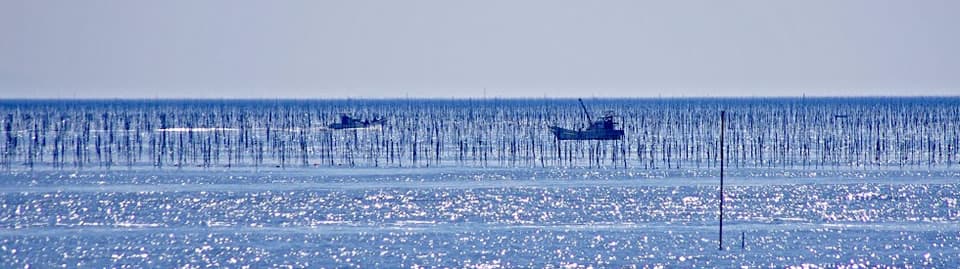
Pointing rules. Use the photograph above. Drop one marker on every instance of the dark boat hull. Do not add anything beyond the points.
(341, 126)
(567, 134)
(338, 126)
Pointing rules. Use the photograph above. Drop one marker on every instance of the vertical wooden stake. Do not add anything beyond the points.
(722, 123)
(743, 240)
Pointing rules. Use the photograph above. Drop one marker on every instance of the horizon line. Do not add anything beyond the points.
(470, 98)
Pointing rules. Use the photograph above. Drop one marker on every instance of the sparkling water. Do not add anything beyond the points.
(848, 183)
(485, 218)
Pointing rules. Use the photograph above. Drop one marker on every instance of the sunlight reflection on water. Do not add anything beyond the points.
(473, 218)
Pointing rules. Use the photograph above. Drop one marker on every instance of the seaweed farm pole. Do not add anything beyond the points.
(722, 116)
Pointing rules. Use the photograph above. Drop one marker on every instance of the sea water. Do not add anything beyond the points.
(450, 217)
(828, 197)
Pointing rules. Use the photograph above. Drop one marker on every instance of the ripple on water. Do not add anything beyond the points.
(462, 219)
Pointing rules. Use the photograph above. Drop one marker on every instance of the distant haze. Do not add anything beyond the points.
(450, 48)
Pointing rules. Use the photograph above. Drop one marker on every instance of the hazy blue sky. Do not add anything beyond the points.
(449, 48)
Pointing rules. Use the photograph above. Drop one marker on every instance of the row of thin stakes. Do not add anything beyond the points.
(660, 133)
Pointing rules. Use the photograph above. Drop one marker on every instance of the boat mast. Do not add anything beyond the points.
(589, 120)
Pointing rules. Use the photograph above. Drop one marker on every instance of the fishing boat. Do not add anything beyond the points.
(346, 122)
(603, 129)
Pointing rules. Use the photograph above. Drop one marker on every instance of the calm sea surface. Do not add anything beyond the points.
(451, 217)
(850, 183)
